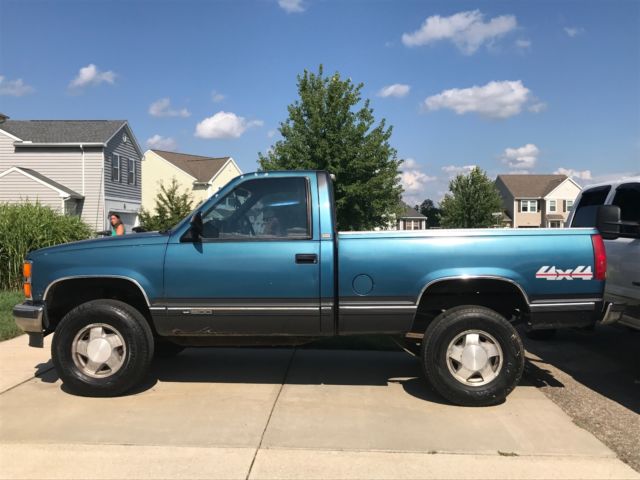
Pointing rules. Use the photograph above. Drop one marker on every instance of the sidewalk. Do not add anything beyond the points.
(282, 413)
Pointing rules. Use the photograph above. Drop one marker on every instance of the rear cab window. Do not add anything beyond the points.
(585, 211)
(627, 197)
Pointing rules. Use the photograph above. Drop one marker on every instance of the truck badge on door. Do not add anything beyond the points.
(553, 273)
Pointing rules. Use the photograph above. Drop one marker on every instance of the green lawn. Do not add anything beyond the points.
(8, 328)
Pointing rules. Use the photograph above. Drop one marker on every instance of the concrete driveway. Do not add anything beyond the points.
(282, 413)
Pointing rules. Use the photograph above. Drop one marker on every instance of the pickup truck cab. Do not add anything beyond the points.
(622, 289)
(261, 263)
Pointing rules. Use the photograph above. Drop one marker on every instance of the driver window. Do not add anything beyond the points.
(265, 208)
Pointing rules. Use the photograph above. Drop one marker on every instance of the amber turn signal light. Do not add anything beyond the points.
(27, 290)
(26, 270)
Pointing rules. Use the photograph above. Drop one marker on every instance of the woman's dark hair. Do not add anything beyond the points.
(115, 215)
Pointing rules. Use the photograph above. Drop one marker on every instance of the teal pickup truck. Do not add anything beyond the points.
(261, 263)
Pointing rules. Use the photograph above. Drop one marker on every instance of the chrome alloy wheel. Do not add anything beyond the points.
(98, 350)
(474, 358)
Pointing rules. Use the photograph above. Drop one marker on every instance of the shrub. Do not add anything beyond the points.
(171, 207)
(28, 226)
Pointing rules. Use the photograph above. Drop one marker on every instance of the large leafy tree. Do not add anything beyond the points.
(428, 209)
(171, 206)
(472, 201)
(326, 130)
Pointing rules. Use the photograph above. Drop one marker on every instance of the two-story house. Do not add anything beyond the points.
(411, 219)
(199, 176)
(79, 167)
(535, 201)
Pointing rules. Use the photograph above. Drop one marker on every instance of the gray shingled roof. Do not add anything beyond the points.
(63, 131)
(48, 181)
(411, 213)
(202, 168)
(531, 186)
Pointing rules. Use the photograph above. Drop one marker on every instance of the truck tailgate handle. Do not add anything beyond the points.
(306, 258)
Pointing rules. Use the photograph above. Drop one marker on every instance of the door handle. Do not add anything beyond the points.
(306, 258)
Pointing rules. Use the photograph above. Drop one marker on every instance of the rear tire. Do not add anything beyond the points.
(472, 356)
(102, 348)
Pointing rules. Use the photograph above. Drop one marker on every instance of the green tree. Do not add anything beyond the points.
(472, 201)
(428, 209)
(326, 131)
(171, 207)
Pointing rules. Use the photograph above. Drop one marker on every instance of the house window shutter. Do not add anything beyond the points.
(564, 205)
(519, 206)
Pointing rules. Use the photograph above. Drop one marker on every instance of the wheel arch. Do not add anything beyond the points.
(501, 294)
(65, 293)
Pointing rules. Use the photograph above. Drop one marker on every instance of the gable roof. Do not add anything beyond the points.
(203, 169)
(38, 177)
(63, 131)
(531, 186)
(411, 212)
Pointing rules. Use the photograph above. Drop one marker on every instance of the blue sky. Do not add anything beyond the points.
(537, 87)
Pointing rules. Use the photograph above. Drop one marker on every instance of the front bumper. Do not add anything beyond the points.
(31, 318)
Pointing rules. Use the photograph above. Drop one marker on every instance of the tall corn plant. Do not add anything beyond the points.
(28, 226)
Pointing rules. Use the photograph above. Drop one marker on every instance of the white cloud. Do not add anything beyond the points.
(216, 96)
(271, 133)
(159, 142)
(573, 31)
(523, 43)
(90, 76)
(292, 6)
(14, 88)
(225, 125)
(537, 107)
(453, 170)
(162, 108)
(467, 30)
(522, 158)
(398, 90)
(493, 100)
(569, 172)
(414, 181)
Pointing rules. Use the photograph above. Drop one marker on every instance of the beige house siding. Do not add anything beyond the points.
(224, 176)
(156, 171)
(65, 166)
(508, 202)
(567, 190)
(526, 219)
(16, 187)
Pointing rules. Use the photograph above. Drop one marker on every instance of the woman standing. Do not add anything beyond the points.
(117, 227)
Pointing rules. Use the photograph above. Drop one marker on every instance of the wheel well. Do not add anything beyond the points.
(502, 296)
(68, 294)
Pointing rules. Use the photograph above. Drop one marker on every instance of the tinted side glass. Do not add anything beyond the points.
(628, 199)
(270, 208)
(591, 199)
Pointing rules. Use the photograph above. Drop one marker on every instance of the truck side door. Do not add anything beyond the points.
(255, 271)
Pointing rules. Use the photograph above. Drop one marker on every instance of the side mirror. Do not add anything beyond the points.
(608, 221)
(196, 226)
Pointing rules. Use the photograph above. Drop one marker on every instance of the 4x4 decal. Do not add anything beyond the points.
(553, 273)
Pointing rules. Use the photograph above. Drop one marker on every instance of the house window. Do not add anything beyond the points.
(123, 163)
(552, 206)
(131, 172)
(115, 168)
(569, 205)
(554, 224)
(529, 206)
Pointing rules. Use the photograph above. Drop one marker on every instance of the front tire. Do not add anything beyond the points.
(102, 348)
(472, 356)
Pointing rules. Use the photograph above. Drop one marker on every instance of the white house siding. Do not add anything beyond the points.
(17, 188)
(62, 165)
